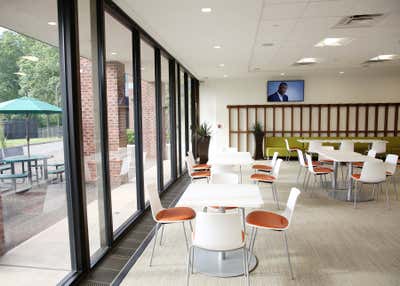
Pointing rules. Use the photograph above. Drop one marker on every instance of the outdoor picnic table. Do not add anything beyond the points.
(28, 159)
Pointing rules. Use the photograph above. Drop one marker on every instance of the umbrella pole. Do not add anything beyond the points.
(27, 133)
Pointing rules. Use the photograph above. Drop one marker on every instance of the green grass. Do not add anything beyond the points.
(21, 142)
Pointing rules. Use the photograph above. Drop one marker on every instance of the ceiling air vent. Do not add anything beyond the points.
(358, 21)
(303, 64)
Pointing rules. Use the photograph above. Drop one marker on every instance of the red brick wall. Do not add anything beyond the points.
(149, 119)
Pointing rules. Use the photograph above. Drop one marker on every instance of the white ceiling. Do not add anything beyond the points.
(293, 26)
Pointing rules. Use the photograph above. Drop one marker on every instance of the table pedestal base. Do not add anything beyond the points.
(342, 195)
(217, 264)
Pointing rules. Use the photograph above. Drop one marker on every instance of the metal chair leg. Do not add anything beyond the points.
(395, 187)
(276, 196)
(189, 262)
(387, 195)
(186, 239)
(154, 243)
(288, 255)
(355, 195)
(162, 234)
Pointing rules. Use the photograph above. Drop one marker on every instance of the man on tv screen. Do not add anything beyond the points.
(280, 94)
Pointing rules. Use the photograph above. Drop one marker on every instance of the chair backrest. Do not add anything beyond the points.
(301, 157)
(371, 153)
(13, 151)
(155, 202)
(274, 158)
(347, 146)
(379, 146)
(218, 231)
(287, 144)
(291, 203)
(309, 163)
(189, 165)
(373, 171)
(225, 178)
(276, 168)
(391, 163)
(314, 146)
(191, 157)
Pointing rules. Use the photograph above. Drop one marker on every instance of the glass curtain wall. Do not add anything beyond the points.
(182, 120)
(120, 124)
(189, 103)
(165, 127)
(178, 122)
(149, 128)
(34, 234)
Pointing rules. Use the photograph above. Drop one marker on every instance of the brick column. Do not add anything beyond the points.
(149, 119)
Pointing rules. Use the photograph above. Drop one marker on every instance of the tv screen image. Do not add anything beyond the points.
(285, 90)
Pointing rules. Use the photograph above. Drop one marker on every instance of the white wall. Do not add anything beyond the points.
(215, 95)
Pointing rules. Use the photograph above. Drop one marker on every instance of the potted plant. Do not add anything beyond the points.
(259, 138)
(203, 141)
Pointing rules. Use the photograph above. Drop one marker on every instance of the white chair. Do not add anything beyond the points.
(270, 179)
(266, 167)
(371, 153)
(347, 146)
(224, 178)
(196, 175)
(164, 216)
(197, 167)
(321, 158)
(373, 172)
(261, 219)
(218, 232)
(303, 165)
(289, 150)
(379, 147)
(391, 167)
(317, 171)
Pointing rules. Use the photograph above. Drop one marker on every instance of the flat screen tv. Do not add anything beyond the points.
(285, 90)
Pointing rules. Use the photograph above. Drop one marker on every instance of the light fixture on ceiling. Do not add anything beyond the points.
(52, 23)
(225, 75)
(30, 58)
(333, 42)
(217, 47)
(20, 73)
(307, 61)
(221, 65)
(282, 73)
(113, 53)
(206, 10)
(382, 58)
(267, 44)
(341, 72)
(142, 69)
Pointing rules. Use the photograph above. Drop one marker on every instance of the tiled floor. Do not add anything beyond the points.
(331, 243)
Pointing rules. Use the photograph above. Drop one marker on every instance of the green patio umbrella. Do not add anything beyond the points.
(28, 106)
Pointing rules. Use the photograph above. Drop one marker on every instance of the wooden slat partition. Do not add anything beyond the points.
(341, 120)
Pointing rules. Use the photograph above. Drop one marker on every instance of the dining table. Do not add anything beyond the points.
(13, 160)
(199, 197)
(338, 157)
(226, 159)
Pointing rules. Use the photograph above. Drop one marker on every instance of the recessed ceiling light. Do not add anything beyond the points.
(221, 65)
(113, 53)
(206, 10)
(267, 44)
(217, 47)
(342, 72)
(282, 73)
(383, 58)
(333, 42)
(20, 73)
(225, 75)
(52, 23)
(307, 60)
(30, 58)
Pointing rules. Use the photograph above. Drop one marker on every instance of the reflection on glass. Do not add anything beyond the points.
(34, 235)
(165, 128)
(121, 145)
(149, 117)
(183, 125)
(189, 104)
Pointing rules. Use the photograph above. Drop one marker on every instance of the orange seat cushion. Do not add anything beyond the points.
(262, 167)
(389, 173)
(176, 214)
(201, 166)
(313, 163)
(201, 174)
(267, 219)
(356, 176)
(323, 170)
(262, 177)
(326, 161)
